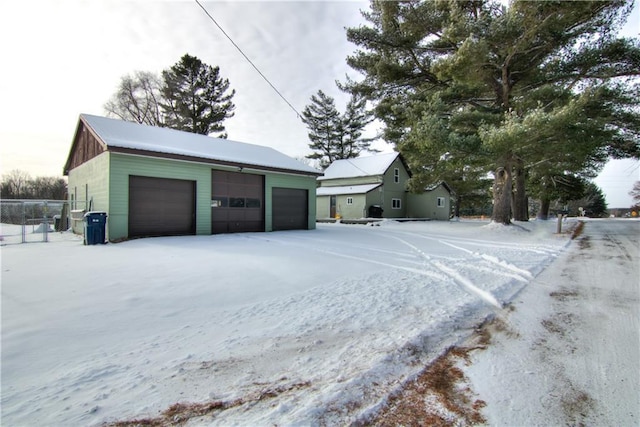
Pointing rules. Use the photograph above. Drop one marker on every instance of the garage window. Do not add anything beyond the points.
(236, 202)
(396, 204)
(252, 203)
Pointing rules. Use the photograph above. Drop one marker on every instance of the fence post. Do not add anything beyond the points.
(24, 222)
(559, 226)
(45, 232)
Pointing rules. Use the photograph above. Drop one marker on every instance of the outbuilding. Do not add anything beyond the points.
(156, 181)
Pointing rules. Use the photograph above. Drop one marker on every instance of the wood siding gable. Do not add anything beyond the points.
(86, 145)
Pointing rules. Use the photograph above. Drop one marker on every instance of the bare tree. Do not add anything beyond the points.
(15, 185)
(49, 188)
(635, 193)
(137, 99)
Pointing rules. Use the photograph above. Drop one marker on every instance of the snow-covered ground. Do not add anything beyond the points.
(300, 327)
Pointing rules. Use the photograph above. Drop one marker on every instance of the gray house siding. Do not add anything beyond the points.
(425, 205)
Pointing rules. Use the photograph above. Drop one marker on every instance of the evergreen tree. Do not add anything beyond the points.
(137, 99)
(593, 201)
(336, 136)
(529, 89)
(196, 97)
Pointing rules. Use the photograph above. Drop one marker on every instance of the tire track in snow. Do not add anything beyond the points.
(489, 258)
(421, 272)
(494, 260)
(466, 284)
(462, 281)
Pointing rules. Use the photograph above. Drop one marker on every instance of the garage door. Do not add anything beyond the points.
(290, 209)
(237, 202)
(161, 207)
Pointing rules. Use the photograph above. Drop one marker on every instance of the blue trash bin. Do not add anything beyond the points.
(95, 224)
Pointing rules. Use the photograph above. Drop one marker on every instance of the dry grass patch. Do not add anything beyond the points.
(179, 413)
(437, 397)
(440, 395)
(564, 294)
(577, 231)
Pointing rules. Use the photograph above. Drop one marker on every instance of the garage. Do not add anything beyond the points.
(237, 202)
(154, 181)
(290, 209)
(161, 206)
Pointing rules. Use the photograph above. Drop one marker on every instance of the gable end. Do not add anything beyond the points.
(86, 145)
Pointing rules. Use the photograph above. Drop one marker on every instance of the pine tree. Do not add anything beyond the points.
(523, 90)
(336, 136)
(196, 97)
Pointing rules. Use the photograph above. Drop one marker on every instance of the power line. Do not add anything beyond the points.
(247, 58)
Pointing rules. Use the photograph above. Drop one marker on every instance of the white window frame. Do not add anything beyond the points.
(441, 202)
(396, 175)
(349, 200)
(393, 203)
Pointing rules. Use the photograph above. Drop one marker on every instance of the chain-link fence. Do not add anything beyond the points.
(24, 221)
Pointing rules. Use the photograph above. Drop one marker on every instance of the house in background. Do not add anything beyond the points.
(434, 203)
(376, 187)
(155, 181)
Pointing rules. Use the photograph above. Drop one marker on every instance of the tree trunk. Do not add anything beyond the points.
(543, 213)
(456, 209)
(520, 208)
(502, 186)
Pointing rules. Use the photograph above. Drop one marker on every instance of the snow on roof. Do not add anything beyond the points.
(347, 189)
(360, 166)
(119, 133)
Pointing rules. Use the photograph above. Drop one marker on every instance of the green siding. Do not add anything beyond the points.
(337, 182)
(353, 211)
(323, 207)
(107, 179)
(395, 190)
(89, 186)
(425, 205)
(375, 197)
(122, 166)
(289, 181)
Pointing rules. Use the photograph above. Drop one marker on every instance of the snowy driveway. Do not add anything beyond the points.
(324, 322)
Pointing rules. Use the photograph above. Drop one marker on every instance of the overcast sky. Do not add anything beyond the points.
(62, 58)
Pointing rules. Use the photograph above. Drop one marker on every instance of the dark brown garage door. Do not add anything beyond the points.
(237, 202)
(161, 207)
(290, 209)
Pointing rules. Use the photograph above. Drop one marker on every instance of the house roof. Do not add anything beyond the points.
(346, 189)
(441, 183)
(134, 138)
(360, 166)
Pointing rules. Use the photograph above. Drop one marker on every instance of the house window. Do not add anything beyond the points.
(349, 200)
(396, 175)
(396, 204)
(441, 202)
